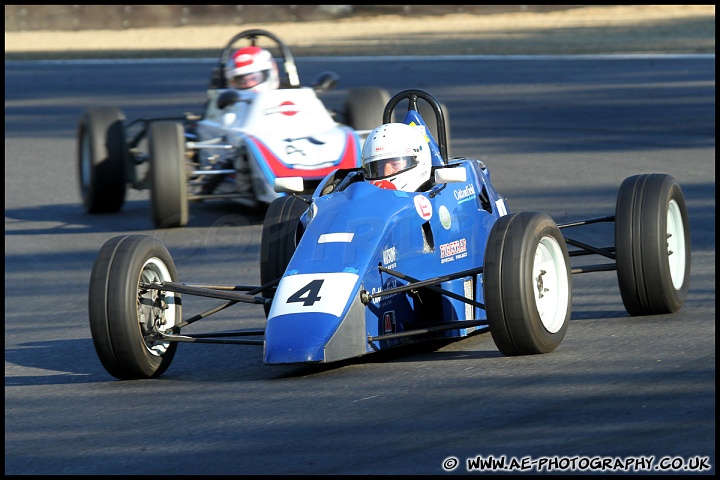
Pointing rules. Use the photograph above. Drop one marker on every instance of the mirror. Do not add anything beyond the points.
(450, 175)
(325, 81)
(289, 185)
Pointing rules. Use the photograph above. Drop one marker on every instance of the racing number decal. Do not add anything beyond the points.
(290, 149)
(308, 294)
(313, 293)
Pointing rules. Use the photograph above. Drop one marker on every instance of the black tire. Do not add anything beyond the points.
(103, 157)
(527, 284)
(428, 114)
(168, 175)
(652, 242)
(364, 107)
(279, 238)
(116, 303)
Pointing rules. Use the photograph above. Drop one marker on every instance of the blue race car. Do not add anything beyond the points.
(354, 268)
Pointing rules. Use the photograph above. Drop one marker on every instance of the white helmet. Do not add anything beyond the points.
(252, 68)
(396, 156)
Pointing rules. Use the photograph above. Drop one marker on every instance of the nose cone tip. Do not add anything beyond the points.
(298, 338)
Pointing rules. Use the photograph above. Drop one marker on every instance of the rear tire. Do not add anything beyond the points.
(652, 241)
(527, 284)
(279, 238)
(102, 159)
(122, 313)
(168, 176)
(364, 107)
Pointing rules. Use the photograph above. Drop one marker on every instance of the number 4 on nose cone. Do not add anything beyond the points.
(307, 295)
(313, 293)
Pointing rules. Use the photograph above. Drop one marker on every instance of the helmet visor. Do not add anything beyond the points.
(250, 80)
(388, 167)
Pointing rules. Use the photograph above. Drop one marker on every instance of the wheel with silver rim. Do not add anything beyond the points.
(527, 284)
(129, 310)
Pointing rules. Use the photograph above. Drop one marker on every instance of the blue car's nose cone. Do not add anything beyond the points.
(298, 338)
(315, 318)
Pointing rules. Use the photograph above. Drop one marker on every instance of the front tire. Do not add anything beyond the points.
(279, 239)
(527, 284)
(652, 241)
(168, 176)
(122, 312)
(102, 159)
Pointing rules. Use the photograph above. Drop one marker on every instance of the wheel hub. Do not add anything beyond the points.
(539, 282)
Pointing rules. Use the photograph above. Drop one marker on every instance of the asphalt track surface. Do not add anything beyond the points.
(559, 135)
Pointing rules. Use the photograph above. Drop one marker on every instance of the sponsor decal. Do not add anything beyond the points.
(389, 284)
(465, 194)
(390, 257)
(287, 108)
(422, 130)
(381, 154)
(373, 291)
(453, 250)
(445, 219)
(423, 207)
(389, 321)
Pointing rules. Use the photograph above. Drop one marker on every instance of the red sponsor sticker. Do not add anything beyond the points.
(389, 321)
(423, 207)
(286, 108)
(453, 248)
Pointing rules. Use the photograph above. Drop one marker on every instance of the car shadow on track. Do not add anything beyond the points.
(64, 362)
(426, 351)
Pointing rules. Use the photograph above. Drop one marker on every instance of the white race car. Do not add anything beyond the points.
(235, 150)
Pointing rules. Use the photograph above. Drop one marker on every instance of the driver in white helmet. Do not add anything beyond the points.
(396, 156)
(253, 69)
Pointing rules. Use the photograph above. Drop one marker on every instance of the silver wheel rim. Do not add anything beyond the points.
(156, 309)
(550, 284)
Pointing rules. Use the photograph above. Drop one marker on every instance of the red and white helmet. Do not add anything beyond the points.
(252, 68)
(396, 156)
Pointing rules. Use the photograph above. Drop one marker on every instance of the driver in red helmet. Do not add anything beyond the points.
(252, 68)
